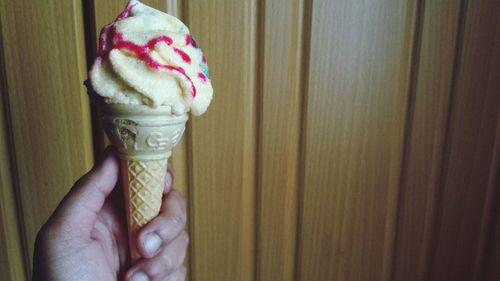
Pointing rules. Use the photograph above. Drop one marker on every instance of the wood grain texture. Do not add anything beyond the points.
(223, 147)
(12, 258)
(280, 73)
(347, 140)
(465, 198)
(48, 104)
(355, 113)
(424, 147)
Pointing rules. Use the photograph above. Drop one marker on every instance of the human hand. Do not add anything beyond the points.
(86, 236)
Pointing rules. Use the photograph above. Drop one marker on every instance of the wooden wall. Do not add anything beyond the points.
(347, 139)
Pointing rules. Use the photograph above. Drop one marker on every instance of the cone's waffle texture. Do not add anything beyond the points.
(144, 138)
(144, 192)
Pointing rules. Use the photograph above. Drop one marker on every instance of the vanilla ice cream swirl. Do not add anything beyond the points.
(149, 57)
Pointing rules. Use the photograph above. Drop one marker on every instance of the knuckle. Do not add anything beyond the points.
(178, 200)
(43, 233)
(59, 228)
(43, 237)
(170, 230)
(168, 262)
(182, 202)
(179, 219)
(84, 180)
(53, 236)
(178, 275)
(159, 268)
(51, 231)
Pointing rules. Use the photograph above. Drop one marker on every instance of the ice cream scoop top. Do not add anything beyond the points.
(149, 57)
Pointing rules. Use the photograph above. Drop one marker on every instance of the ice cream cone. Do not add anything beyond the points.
(144, 138)
(146, 59)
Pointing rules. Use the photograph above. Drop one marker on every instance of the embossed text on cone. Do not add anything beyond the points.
(144, 138)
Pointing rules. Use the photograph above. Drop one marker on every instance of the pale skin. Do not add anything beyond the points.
(86, 236)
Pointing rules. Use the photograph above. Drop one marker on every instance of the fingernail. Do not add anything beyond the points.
(152, 243)
(139, 276)
(168, 179)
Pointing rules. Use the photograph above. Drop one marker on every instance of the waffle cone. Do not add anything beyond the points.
(144, 138)
(143, 184)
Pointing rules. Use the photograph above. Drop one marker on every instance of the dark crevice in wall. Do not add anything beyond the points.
(259, 92)
(408, 126)
(304, 86)
(90, 33)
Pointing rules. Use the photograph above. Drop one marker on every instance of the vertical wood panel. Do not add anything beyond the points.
(280, 37)
(356, 108)
(420, 183)
(12, 257)
(222, 148)
(239, 164)
(49, 107)
(471, 136)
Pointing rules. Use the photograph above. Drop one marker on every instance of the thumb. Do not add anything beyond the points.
(79, 208)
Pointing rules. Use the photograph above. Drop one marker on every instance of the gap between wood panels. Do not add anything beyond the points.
(389, 270)
(307, 8)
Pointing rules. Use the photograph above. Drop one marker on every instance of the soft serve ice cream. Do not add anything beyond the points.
(149, 57)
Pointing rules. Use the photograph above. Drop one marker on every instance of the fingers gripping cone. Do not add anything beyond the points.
(144, 138)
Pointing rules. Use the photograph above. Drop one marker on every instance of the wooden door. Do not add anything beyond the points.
(347, 140)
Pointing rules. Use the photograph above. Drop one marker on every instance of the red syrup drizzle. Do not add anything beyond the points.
(141, 51)
(126, 13)
(188, 39)
(185, 57)
(202, 77)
